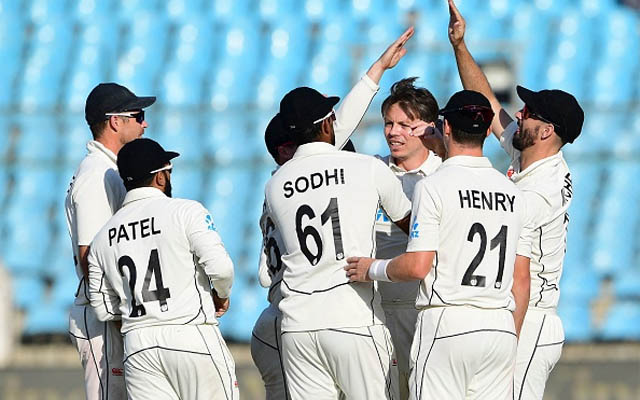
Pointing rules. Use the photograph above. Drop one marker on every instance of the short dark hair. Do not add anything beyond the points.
(307, 135)
(416, 102)
(97, 128)
(139, 183)
(466, 138)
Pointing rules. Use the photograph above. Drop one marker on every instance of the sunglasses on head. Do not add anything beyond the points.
(526, 113)
(138, 115)
(474, 113)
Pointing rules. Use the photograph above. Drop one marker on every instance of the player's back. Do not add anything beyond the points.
(324, 202)
(148, 259)
(481, 217)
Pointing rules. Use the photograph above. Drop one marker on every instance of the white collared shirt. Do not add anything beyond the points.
(154, 261)
(548, 189)
(391, 241)
(472, 217)
(95, 193)
(324, 203)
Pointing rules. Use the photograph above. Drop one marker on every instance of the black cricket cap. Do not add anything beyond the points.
(112, 98)
(303, 106)
(469, 111)
(558, 107)
(139, 157)
(276, 135)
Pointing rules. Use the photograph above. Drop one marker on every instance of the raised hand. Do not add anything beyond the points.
(457, 25)
(396, 50)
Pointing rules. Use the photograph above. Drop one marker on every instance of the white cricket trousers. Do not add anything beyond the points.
(100, 348)
(539, 349)
(463, 353)
(401, 322)
(171, 362)
(266, 351)
(349, 363)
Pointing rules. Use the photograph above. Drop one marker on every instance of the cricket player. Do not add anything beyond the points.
(548, 120)
(265, 339)
(467, 226)
(409, 114)
(160, 267)
(323, 202)
(115, 116)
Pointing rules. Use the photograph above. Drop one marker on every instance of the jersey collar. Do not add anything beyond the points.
(426, 168)
(468, 161)
(93, 146)
(142, 193)
(310, 149)
(547, 162)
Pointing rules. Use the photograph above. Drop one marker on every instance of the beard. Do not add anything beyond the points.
(524, 138)
(167, 188)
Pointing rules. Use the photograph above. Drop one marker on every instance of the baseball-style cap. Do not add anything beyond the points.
(139, 159)
(557, 107)
(469, 111)
(302, 107)
(112, 98)
(276, 135)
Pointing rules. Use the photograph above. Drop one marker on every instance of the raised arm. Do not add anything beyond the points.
(471, 75)
(357, 101)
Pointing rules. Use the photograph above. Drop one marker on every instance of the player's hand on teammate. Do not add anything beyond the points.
(222, 304)
(396, 51)
(358, 268)
(457, 25)
(431, 135)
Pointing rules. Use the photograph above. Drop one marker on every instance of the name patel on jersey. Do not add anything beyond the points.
(133, 230)
(314, 181)
(495, 201)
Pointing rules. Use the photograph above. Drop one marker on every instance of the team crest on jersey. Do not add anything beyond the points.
(210, 225)
(415, 232)
(381, 216)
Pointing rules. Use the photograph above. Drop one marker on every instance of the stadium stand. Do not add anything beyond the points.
(219, 70)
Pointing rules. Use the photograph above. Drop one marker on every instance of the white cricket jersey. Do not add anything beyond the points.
(324, 202)
(154, 262)
(270, 267)
(547, 187)
(391, 241)
(352, 109)
(472, 217)
(95, 193)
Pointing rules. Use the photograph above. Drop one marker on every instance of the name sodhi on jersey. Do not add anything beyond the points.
(315, 180)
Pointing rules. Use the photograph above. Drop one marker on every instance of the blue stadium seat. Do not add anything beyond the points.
(38, 140)
(273, 10)
(12, 40)
(7, 127)
(369, 139)
(586, 182)
(228, 10)
(576, 321)
(181, 132)
(249, 299)
(182, 10)
(627, 285)
(142, 58)
(28, 290)
(187, 182)
(47, 318)
(64, 290)
(226, 141)
(322, 10)
(89, 10)
(184, 81)
(46, 64)
(74, 138)
(527, 25)
(622, 322)
(431, 25)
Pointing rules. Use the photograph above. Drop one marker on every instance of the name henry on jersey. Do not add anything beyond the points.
(132, 230)
(314, 181)
(495, 201)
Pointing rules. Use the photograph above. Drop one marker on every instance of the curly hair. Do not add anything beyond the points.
(416, 102)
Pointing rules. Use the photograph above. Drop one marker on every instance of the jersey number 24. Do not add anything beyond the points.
(161, 294)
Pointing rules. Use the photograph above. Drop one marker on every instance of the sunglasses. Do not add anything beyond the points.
(138, 115)
(332, 113)
(474, 113)
(167, 168)
(526, 113)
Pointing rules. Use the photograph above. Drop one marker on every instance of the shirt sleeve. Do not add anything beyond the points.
(104, 300)
(353, 108)
(207, 247)
(95, 202)
(506, 141)
(393, 200)
(426, 215)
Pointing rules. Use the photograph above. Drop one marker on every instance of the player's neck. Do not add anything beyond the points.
(412, 162)
(533, 154)
(111, 143)
(458, 150)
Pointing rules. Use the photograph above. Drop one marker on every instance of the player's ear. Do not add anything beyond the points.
(546, 132)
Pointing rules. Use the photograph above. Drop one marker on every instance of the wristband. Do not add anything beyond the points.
(378, 271)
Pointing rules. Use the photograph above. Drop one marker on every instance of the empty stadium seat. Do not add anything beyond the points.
(622, 322)
(12, 40)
